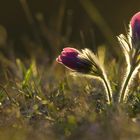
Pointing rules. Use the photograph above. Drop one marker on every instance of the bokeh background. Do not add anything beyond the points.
(27, 25)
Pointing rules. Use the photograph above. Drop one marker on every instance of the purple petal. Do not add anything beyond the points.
(69, 54)
(70, 62)
(68, 49)
(58, 59)
(69, 58)
(135, 26)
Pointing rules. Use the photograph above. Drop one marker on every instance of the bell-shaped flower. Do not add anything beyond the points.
(85, 62)
(135, 28)
(70, 58)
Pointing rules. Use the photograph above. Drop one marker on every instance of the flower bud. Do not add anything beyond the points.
(71, 59)
(135, 28)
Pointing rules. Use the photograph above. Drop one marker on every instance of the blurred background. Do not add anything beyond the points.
(44, 27)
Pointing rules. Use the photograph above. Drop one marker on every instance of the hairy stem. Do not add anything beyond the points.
(108, 89)
(132, 69)
(126, 83)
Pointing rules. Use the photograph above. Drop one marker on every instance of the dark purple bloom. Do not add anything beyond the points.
(135, 27)
(70, 58)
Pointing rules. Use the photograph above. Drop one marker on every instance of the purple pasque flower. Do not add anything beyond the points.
(70, 58)
(135, 27)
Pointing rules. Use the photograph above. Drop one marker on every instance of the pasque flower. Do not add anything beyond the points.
(85, 62)
(135, 27)
(135, 37)
(131, 48)
(70, 57)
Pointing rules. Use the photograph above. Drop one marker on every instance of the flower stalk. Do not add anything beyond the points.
(108, 89)
(125, 85)
(131, 49)
(86, 62)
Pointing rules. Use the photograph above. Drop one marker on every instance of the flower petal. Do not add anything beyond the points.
(135, 26)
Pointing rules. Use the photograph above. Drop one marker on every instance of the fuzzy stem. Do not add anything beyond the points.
(123, 92)
(108, 89)
(133, 67)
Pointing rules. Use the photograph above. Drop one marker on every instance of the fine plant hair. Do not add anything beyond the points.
(87, 63)
(98, 70)
(132, 54)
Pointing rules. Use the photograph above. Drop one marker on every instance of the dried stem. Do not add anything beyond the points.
(9, 97)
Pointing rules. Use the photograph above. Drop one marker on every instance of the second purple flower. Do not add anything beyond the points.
(135, 27)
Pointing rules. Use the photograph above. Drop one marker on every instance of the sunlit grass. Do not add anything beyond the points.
(49, 102)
